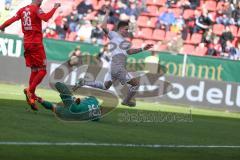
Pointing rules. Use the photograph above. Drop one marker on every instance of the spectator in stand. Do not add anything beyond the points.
(97, 34)
(59, 18)
(194, 4)
(50, 33)
(225, 37)
(185, 4)
(73, 20)
(85, 31)
(63, 29)
(203, 22)
(236, 14)
(84, 8)
(166, 19)
(113, 19)
(178, 25)
(133, 10)
(208, 36)
(225, 20)
(214, 48)
(171, 3)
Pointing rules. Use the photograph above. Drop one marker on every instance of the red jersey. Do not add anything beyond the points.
(31, 18)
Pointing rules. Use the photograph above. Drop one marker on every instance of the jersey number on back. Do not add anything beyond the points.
(27, 23)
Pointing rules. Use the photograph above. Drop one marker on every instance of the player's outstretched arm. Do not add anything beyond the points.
(137, 50)
(9, 22)
(104, 24)
(46, 16)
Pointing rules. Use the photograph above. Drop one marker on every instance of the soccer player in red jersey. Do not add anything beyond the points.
(31, 17)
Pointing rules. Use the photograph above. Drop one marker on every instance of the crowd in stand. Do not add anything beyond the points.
(83, 23)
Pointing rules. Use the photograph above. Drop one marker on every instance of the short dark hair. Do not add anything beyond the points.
(122, 24)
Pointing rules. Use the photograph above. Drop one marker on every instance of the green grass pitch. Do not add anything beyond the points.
(207, 128)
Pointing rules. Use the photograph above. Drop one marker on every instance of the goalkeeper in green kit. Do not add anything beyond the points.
(73, 109)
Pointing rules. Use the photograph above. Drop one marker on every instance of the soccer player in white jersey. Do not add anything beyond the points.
(118, 62)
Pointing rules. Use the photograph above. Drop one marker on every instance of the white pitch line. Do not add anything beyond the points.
(114, 145)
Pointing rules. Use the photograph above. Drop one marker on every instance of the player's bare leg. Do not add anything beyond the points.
(134, 85)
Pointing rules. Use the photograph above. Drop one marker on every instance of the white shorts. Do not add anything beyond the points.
(122, 75)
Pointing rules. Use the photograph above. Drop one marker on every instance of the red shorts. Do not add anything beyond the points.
(34, 54)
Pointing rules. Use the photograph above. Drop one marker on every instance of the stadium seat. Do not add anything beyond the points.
(211, 5)
(170, 35)
(238, 35)
(234, 30)
(213, 16)
(219, 5)
(150, 42)
(196, 38)
(161, 10)
(234, 42)
(187, 49)
(150, 2)
(160, 47)
(218, 29)
(72, 36)
(153, 22)
(158, 34)
(142, 21)
(188, 13)
(200, 51)
(177, 11)
(137, 43)
(146, 33)
(99, 4)
(153, 10)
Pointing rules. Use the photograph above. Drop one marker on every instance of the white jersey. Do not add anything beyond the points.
(116, 40)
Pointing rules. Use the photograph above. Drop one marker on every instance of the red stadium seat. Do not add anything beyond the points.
(153, 10)
(100, 3)
(161, 10)
(218, 29)
(142, 21)
(200, 51)
(187, 49)
(150, 42)
(234, 30)
(72, 36)
(161, 47)
(196, 38)
(95, 4)
(211, 5)
(213, 16)
(170, 35)
(153, 22)
(188, 13)
(158, 34)
(160, 2)
(235, 41)
(177, 12)
(146, 33)
(137, 43)
(150, 2)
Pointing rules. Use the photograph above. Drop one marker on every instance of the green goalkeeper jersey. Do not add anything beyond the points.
(88, 109)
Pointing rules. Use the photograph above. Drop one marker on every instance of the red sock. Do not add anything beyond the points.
(37, 79)
(32, 76)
